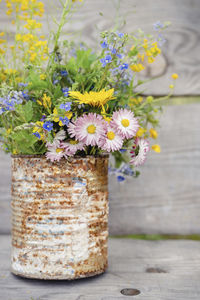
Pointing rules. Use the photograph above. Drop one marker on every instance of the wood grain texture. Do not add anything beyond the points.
(161, 270)
(165, 198)
(180, 53)
(5, 193)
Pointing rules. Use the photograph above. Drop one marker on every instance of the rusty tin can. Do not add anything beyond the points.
(59, 217)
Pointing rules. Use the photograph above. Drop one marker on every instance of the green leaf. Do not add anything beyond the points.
(25, 112)
(24, 141)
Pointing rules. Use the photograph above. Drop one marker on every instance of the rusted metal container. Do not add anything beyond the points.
(59, 217)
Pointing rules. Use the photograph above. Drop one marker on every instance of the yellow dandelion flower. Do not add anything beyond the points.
(93, 98)
(171, 86)
(153, 133)
(2, 33)
(156, 148)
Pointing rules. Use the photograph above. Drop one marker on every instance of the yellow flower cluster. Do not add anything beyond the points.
(142, 132)
(8, 75)
(151, 50)
(25, 12)
(2, 44)
(137, 67)
(32, 24)
(35, 48)
(45, 102)
(36, 8)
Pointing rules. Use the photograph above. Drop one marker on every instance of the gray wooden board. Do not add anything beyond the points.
(180, 53)
(165, 197)
(160, 270)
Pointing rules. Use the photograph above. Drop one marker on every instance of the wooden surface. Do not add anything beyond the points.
(180, 53)
(165, 198)
(160, 270)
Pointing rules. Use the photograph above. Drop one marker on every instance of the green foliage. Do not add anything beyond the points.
(25, 141)
(30, 112)
(25, 112)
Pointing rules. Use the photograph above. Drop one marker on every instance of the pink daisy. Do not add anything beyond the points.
(56, 151)
(71, 128)
(112, 142)
(139, 153)
(73, 146)
(125, 123)
(88, 129)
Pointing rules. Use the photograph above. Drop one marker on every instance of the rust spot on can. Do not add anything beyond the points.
(59, 217)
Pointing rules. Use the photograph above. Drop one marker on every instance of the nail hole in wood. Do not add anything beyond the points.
(155, 270)
(130, 292)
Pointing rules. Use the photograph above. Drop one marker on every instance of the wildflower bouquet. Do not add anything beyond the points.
(63, 99)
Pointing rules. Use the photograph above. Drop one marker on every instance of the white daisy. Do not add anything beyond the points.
(88, 129)
(125, 123)
(112, 142)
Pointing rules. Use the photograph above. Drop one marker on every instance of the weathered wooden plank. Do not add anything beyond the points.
(180, 54)
(167, 270)
(5, 186)
(165, 198)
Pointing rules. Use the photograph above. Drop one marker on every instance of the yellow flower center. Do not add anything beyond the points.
(125, 122)
(58, 150)
(91, 129)
(110, 135)
(73, 142)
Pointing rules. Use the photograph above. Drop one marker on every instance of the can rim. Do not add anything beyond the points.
(72, 157)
